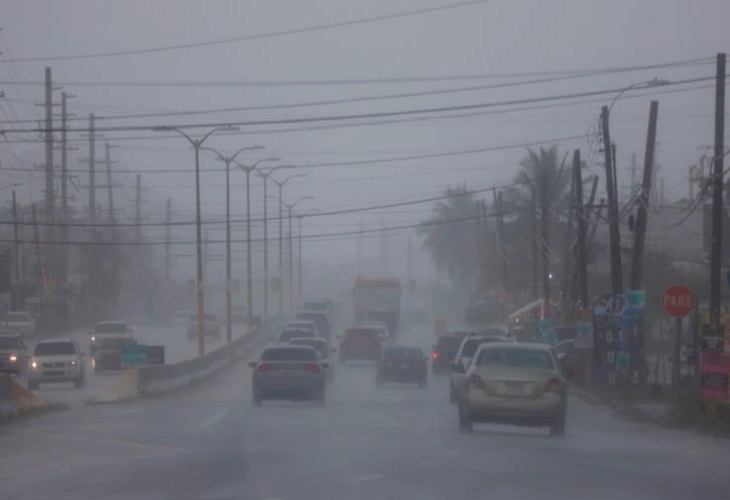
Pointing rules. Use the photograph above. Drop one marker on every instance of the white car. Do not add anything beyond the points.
(112, 328)
(303, 324)
(380, 327)
(463, 357)
(19, 321)
(56, 361)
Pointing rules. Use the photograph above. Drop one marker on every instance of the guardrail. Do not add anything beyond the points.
(158, 379)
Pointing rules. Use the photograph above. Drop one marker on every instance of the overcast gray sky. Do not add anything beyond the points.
(529, 37)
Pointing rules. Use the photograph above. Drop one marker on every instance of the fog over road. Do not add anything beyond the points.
(396, 442)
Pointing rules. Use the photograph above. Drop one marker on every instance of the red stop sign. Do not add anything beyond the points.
(678, 301)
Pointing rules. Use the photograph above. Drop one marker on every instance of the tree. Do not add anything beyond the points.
(450, 235)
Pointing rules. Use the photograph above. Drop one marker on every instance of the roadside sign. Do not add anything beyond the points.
(678, 301)
(713, 339)
(584, 339)
(134, 355)
(714, 370)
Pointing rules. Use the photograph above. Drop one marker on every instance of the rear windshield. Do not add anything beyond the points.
(117, 343)
(111, 328)
(10, 343)
(404, 353)
(300, 324)
(318, 345)
(287, 335)
(362, 334)
(17, 317)
(471, 345)
(448, 344)
(515, 358)
(289, 354)
(54, 348)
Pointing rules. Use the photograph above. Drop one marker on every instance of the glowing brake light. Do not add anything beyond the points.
(435, 355)
(263, 368)
(554, 385)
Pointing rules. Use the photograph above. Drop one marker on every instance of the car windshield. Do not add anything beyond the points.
(289, 354)
(319, 345)
(287, 335)
(111, 328)
(515, 358)
(16, 316)
(403, 354)
(54, 348)
(9, 343)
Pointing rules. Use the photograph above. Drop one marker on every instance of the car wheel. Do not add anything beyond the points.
(465, 423)
(557, 427)
(33, 385)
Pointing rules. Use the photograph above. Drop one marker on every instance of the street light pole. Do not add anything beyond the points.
(266, 176)
(197, 144)
(228, 160)
(281, 237)
(299, 252)
(249, 267)
(291, 206)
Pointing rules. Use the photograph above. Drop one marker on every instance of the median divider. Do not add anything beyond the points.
(158, 379)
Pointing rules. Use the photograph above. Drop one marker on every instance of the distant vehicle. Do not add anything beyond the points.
(463, 357)
(108, 328)
(12, 354)
(21, 322)
(211, 325)
(108, 355)
(303, 324)
(515, 384)
(320, 319)
(378, 299)
(323, 351)
(380, 327)
(56, 361)
(181, 317)
(324, 306)
(445, 351)
(289, 373)
(402, 364)
(291, 333)
(360, 343)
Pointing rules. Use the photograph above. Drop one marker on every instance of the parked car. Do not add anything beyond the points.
(323, 352)
(515, 384)
(211, 325)
(106, 329)
(108, 355)
(303, 324)
(463, 357)
(360, 343)
(289, 373)
(21, 322)
(56, 361)
(402, 364)
(12, 354)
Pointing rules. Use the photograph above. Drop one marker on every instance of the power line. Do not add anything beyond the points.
(246, 38)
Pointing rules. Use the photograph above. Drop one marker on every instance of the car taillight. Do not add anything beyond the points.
(313, 368)
(263, 368)
(435, 355)
(475, 380)
(554, 385)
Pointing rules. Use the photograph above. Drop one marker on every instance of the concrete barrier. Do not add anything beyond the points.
(16, 399)
(151, 380)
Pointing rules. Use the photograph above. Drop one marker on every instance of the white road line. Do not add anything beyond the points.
(363, 479)
(210, 421)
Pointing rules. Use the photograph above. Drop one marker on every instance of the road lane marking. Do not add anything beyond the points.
(363, 479)
(210, 421)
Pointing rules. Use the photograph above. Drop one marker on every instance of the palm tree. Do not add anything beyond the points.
(451, 236)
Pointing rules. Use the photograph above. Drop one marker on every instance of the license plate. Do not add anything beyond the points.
(514, 386)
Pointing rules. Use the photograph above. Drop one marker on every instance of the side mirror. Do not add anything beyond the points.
(325, 365)
(457, 368)
(253, 364)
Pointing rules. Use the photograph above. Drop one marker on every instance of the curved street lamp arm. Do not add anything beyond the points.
(280, 184)
(165, 128)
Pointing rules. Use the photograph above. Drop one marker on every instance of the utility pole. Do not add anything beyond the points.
(168, 238)
(138, 209)
(717, 195)
(570, 244)
(63, 271)
(92, 167)
(633, 170)
(544, 244)
(291, 265)
(641, 220)
(39, 261)
(299, 267)
(109, 186)
(580, 210)
(535, 283)
(50, 195)
(614, 235)
(500, 238)
(18, 302)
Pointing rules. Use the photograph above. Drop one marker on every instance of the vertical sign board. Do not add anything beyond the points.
(619, 337)
(714, 363)
(133, 355)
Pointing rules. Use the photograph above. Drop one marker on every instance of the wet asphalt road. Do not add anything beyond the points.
(395, 442)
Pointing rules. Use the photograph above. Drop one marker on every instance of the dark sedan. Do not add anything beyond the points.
(403, 364)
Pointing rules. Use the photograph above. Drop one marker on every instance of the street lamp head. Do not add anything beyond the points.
(657, 82)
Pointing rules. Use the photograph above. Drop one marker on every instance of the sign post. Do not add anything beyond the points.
(678, 301)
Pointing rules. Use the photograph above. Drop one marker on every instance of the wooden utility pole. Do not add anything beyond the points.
(570, 244)
(580, 211)
(138, 209)
(109, 186)
(18, 302)
(641, 220)
(717, 196)
(500, 238)
(614, 235)
(49, 195)
(544, 243)
(168, 238)
(39, 259)
(92, 169)
(535, 283)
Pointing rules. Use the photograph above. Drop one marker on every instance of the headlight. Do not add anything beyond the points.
(33, 364)
(13, 358)
(71, 364)
(93, 339)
